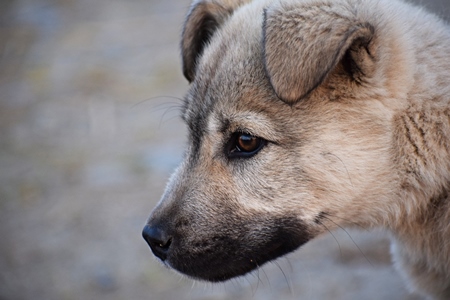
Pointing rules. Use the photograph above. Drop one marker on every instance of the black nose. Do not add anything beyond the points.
(158, 240)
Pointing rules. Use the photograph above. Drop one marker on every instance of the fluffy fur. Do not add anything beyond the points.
(350, 100)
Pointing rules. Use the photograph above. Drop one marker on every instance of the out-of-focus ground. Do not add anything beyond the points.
(89, 133)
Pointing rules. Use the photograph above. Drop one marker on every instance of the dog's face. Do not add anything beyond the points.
(283, 144)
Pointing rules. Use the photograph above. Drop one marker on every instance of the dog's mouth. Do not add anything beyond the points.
(224, 261)
(228, 253)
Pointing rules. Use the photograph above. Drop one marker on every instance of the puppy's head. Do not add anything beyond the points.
(288, 115)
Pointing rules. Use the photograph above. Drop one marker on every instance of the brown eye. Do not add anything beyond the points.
(247, 143)
(244, 145)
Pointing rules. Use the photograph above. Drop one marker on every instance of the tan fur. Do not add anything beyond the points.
(352, 99)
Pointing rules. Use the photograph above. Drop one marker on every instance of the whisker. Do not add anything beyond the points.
(285, 277)
(170, 109)
(346, 220)
(345, 167)
(265, 274)
(157, 97)
(158, 104)
(234, 283)
(334, 237)
(180, 278)
(259, 280)
(291, 268)
(167, 106)
(255, 273)
(350, 239)
(251, 287)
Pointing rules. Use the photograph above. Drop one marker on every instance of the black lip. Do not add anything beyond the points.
(229, 258)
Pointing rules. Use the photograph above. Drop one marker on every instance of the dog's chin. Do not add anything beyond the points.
(222, 265)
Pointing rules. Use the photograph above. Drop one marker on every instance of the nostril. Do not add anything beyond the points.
(163, 244)
(158, 240)
(166, 245)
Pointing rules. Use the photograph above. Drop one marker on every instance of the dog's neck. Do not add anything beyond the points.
(421, 137)
(420, 225)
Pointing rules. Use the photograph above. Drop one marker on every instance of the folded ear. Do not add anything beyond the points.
(303, 45)
(204, 18)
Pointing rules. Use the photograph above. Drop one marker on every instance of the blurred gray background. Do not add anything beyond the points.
(89, 133)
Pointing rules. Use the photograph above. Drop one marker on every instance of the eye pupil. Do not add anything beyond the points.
(244, 145)
(248, 143)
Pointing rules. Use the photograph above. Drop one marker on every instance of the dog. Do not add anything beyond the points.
(308, 115)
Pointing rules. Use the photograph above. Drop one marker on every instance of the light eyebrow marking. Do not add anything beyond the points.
(249, 122)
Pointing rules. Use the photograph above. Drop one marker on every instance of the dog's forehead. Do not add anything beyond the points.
(230, 75)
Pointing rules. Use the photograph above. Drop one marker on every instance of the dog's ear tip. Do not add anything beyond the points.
(188, 73)
(193, 38)
(202, 21)
(297, 61)
(287, 95)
